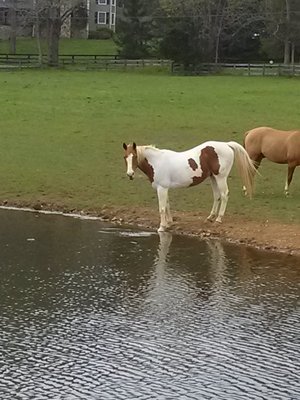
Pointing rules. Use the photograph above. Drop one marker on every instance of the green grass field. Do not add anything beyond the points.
(66, 46)
(62, 135)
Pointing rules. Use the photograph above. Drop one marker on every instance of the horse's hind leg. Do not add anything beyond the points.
(224, 192)
(217, 199)
(291, 169)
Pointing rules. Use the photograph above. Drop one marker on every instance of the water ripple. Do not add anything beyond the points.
(150, 319)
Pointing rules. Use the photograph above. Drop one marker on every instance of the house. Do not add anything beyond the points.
(15, 12)
(99, 14)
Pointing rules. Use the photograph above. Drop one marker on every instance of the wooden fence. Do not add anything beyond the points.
(97, 61)
(112, 62)
(266, 69)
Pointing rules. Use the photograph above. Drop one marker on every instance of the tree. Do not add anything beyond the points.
(195, 29)
(282, 22)
(243, 29)
(187, 36)
(135, 29)
(57, 12)
(13, 26)
(18, 21)
(204, 30)
(52, 14)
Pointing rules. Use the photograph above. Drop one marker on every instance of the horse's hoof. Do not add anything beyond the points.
(219, 220)
(210, 219)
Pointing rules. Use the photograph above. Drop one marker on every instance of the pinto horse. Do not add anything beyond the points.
(282, 147)
(170, 169)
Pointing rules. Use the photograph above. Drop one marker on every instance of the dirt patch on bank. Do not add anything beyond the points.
(265, 234)
(268, 235)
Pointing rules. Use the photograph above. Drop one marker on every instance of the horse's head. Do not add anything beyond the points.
(130, 158)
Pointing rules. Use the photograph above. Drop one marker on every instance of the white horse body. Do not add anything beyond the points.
(171, 167)
(167, 169)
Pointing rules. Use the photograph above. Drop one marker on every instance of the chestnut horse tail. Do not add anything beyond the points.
(245, 166)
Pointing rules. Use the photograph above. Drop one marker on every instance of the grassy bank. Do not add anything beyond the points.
(62, 135)
(66, 46)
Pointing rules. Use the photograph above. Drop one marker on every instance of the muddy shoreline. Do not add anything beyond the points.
(265, 235)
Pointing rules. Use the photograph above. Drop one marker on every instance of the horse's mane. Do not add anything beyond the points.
(141, 150)
(150, 146)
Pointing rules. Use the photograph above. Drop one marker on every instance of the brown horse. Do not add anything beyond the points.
(282, 147)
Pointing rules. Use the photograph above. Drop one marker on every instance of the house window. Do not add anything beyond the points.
(4, 18)
(101, 18)
(102, 2)
(113, 2)
(113, 18)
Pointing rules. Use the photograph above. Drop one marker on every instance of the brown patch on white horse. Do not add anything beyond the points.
(209, 163)
(147, 169)
(193, 164)
(209, 160)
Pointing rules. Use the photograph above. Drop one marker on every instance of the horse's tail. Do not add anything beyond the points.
(245, 166)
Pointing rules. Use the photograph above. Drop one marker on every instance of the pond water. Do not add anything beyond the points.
(92, 311)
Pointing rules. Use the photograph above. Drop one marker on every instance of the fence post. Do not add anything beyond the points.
(249, 71)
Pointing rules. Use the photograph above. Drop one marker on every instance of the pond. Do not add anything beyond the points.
(93, 311)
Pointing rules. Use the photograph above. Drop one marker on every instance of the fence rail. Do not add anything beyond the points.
(99, 61)
(266, 69)
(113, 62)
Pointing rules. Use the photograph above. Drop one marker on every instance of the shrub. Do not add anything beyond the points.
(101, 33)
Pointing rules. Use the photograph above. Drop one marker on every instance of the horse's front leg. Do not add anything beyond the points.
(168, 213)
(162, 195)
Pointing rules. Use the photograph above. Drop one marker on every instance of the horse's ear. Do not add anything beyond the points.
(124, 146)
(134, 146)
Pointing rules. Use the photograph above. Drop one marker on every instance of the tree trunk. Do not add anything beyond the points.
(53, 25)
(287, 51)
(13, 28)
(219, 28)
(38, 38)
(287, 44)
(293, 54)
(217, 46)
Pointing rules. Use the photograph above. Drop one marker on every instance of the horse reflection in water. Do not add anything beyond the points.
(218, 264)
(161, 260)
(167, 169)
(209, 266)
